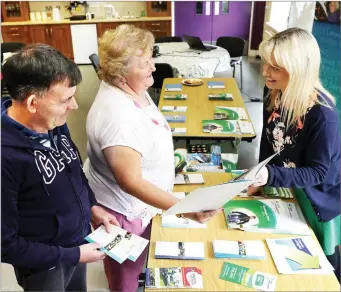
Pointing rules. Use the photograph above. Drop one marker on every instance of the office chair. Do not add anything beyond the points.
(235, 47)
(173, 39)
(10, 48)
(95, 62)
(163, 70)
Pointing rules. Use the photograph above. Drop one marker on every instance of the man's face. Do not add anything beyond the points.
(54, 107)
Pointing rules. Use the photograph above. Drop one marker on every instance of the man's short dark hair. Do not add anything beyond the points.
(35, 68)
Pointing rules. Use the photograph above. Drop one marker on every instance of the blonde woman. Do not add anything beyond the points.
(131, 161)
(301, 121)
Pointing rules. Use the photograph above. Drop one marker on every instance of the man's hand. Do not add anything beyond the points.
(89, 253)
(202, 217)
(100, 216)
(252, 190)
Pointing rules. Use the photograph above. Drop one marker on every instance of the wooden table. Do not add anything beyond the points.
(201, 108)
(211, 267)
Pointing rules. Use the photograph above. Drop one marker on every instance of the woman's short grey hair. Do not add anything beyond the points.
(118, 47)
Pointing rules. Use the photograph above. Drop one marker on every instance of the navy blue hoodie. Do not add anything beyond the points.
(45, 197)
(314, 149)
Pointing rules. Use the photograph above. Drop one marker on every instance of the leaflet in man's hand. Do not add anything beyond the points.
(247, 249)
(179, 277)
(179, 250)
(119, 244)
(269, 216)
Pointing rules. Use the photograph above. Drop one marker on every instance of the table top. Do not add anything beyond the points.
(193, 63)
(211, 267)
(201, 108)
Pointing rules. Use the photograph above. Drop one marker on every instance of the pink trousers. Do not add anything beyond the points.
(124, 277)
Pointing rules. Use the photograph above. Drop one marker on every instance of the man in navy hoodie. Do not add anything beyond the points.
(46, 202)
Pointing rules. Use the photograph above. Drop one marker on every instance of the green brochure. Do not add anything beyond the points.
(247, 277)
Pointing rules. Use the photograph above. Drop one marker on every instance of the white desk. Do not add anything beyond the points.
(190, 63)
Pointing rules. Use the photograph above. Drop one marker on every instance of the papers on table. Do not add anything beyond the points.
(119, 244)
(174, 108)
(299, 255)
(248, 249)
(179, 250)
(214, 197)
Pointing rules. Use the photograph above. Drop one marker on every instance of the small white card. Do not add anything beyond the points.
(178, 130)
(245, 127)
(183, 179)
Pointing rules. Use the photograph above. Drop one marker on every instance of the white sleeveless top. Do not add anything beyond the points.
(114, 120)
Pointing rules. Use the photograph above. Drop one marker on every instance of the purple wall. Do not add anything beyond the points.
(209, 27)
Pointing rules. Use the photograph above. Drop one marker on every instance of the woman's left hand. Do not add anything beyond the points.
(100, 216)
(262, 177)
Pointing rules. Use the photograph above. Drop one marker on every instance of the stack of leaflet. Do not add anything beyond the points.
(249, 249)
(173, 87)
(218, 94)
(175, 118)
(174, 108)
(230, 113)
(179, 250)
(172, 221)
(119, 244)
(270, 216)
(300, 255)
(179, 277)
(175, 96)
(227, 127)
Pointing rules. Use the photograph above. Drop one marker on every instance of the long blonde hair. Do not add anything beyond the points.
(296, 51)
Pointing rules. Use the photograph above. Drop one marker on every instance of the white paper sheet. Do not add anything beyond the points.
(214, 197)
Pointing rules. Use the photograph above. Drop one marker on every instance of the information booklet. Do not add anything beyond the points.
(230, 113)
(216, 84)
(247, 277)
(175, 96)
(220, 96)
(175, 119)
(299, 255)
(180, 277)
(248, 249)
(270, 216)
(214, 197)
(119, 244)
(173, 87)
(179, 250)
(174, 108)
(184, 179)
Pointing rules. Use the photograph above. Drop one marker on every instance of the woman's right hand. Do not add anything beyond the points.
(89, 253)
(202, 217)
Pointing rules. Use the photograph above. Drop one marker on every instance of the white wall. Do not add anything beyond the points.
(302, 15)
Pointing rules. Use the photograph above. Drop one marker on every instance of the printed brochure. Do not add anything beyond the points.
(270, 216)
(181, 277)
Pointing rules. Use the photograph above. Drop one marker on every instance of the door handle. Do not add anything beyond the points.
(155, 30)
(15, 34)
(51, 32)
(14, 28)
(155, 23)
(47, 32)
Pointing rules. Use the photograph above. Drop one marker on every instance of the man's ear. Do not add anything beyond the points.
(31, 103)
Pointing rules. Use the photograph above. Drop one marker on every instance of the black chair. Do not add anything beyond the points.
(235, 47)
(10, 48)
(163, 70)
(173, 39)
(95, 62)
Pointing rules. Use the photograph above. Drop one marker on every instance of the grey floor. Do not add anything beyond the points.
(253, 84)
